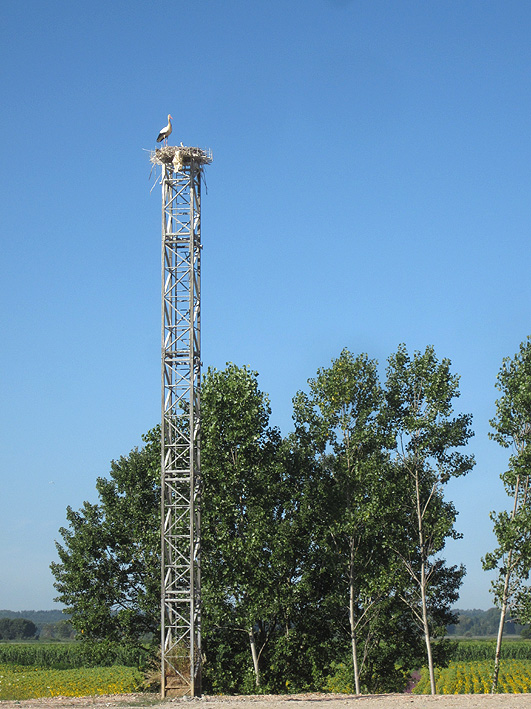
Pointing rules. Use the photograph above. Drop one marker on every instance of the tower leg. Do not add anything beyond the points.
(180, 431)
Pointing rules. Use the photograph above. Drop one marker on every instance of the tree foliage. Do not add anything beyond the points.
(61, 630)
(343, 412)
(302, 538)
(419, 392)
(108, 575)
(17, 629)
(512, 557)
(241, 490)
(475, 623)
(512, 430)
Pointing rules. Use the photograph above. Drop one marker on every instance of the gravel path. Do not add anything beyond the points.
(294, 701)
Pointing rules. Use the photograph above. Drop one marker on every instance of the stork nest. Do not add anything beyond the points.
(178, 156)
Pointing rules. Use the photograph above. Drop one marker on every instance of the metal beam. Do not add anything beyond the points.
(180, 429)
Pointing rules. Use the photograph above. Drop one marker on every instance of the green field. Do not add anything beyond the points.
(476, 678)
(512, 649)
(23, 682)
(31, 670)
(473, 664)
(71, 655)
(34, 670)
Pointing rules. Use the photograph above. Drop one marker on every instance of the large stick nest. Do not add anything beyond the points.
(179, 155)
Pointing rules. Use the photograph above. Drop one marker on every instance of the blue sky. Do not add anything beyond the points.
(370, 186)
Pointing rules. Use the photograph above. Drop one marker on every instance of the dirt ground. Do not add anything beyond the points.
(294, 701)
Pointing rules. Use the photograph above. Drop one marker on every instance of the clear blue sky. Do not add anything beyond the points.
(370, 186)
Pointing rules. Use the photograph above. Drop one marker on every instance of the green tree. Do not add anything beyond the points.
(276, 541)
(420, 392)
(358, 525)
(254, 525)
(108, 576)
(61, 630)
(240, 488)
(512, 556)
(17, 629)
(342, 411)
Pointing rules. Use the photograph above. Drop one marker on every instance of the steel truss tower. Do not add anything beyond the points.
(180, 427)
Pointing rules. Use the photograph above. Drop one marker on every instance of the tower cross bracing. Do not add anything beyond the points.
(180, 425)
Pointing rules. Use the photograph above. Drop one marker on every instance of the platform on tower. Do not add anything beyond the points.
(180, 155)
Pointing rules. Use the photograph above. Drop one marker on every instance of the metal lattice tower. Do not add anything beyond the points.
(180, 429)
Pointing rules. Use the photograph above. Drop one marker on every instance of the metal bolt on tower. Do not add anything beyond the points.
(180, 426)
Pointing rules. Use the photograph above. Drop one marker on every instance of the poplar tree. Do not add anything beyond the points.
(512, 556)
(420, 391)
(342, 414)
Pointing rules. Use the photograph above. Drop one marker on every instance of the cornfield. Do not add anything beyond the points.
(469, 650)
(23, 682)
(65, 656)
(476, 678)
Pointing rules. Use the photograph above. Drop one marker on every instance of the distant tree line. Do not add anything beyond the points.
(37, 617)
(322, 551)
(62, 630)
(27, 625)
(17, 629)
(470, 623)
(479, 623)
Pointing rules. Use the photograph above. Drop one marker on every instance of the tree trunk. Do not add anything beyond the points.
(505, 596)
(423, 584)
(352, 621)
(503, 613)
(255, 657)
(427, 627)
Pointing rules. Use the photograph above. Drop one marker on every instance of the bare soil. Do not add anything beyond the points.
(293, 701)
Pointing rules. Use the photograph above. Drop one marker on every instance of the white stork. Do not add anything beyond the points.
(165, 132)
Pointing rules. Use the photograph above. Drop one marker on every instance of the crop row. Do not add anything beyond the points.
(476, 678)
(64, 656)
(20, 682)
(469, 650)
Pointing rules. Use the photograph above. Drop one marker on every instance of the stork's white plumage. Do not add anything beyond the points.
(165, 132)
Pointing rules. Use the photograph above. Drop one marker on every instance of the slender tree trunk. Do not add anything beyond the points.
(352, 619)
(505, 595)
(255, 657)
(427, 627)
(503, 613)
(423, 585)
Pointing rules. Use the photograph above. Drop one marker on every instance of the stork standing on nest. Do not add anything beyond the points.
(165, 132)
